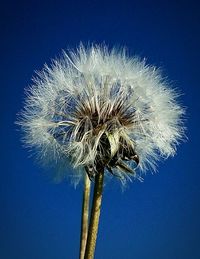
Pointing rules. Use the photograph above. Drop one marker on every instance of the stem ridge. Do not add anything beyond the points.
(95, 214)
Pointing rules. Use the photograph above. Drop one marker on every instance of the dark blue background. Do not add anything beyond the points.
(157, 219)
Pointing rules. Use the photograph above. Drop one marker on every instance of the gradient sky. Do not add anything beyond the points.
(156, 219)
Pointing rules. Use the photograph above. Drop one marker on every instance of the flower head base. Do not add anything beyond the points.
(101, 109)
(101, 131)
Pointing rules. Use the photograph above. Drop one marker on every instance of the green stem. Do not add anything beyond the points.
(94, 218)
(84, 219)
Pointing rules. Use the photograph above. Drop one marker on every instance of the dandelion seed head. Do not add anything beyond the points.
(98, 108)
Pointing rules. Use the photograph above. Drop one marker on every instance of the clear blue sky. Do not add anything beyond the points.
(156, 219)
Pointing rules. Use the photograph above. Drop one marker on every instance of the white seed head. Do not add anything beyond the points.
(96, 108)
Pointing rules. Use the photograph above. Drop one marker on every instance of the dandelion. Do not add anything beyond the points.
(105, 114)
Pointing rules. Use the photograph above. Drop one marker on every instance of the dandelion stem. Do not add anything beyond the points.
(94, 218)
(84, 219)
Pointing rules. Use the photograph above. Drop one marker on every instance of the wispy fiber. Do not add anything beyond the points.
(98, 107)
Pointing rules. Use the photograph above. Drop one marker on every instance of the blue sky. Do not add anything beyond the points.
(158, 218)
